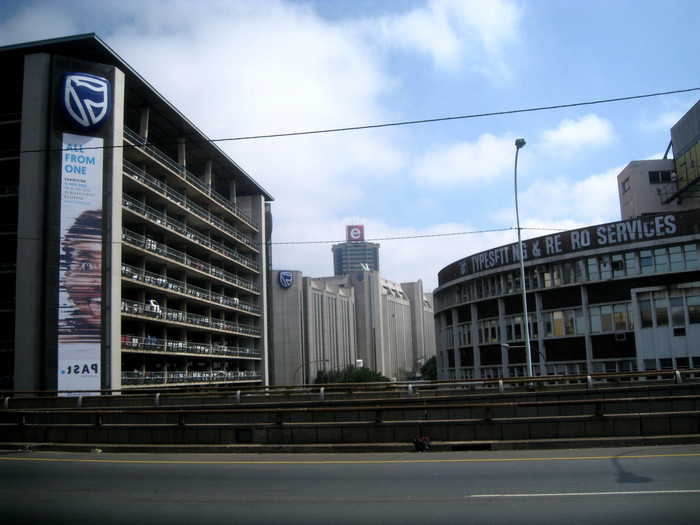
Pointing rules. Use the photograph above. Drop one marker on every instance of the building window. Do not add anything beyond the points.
(606, 318)
(618, 265)
(677, 312)
(579, 323)
(489, 331)
(693, 310)
(646, 262)
(623, 319)
(464, 334)
(645, 310)
(666, 363)
(593, 272)
(631, 263)
(690, 254)
(533, 326)
(661, 260)
(610, 318)
(657, 177)
(561, 322)
(675, 256)
(626, 185)
(661, 311)
(514, 328)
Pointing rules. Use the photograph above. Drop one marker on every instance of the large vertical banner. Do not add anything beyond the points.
(80, 274)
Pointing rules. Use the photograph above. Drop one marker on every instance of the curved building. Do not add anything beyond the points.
(621, 296)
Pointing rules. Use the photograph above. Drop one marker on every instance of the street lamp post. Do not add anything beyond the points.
(519, 143)
(294, 378)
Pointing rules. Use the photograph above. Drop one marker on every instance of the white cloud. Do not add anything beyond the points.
(480, 162)
(247, 68)
(593, 200)
(455, 33)
(270, 67)
(572, 135)
(26, 25)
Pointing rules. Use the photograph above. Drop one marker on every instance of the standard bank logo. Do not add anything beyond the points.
(286, 279)
(85, 100)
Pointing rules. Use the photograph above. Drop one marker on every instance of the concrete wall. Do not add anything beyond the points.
(29, 317)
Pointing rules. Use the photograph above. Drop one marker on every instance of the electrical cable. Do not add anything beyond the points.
(410, 122)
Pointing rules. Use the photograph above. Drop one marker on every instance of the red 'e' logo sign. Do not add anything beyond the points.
(355, 233)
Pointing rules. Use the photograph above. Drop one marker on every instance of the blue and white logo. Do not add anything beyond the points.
(85, 99)
(286, 279)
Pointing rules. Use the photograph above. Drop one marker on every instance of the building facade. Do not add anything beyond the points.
(361, 319)
(641, 184)
(136, 251)
(623, 296)
(313, 327)
(616, 297)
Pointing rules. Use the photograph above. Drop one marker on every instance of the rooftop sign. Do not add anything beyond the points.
(355, 233)
(591, 238)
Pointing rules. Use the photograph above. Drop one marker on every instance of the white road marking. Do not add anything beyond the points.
(584, 494)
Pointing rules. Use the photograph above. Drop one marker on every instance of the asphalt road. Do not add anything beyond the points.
(631, 485)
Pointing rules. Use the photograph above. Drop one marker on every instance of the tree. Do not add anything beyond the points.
(350, 374)
(429, 369)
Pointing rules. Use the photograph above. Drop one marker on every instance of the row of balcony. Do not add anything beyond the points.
(173, 285)
(140, 241)
(148, 180)
(178, 227)
(152, 344)
(169, 315)
(162, 378)
(181, 171)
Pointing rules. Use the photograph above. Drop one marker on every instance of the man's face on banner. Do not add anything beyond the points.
(83, 278)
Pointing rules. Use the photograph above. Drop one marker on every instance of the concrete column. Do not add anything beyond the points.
(29, 318)
(112, 363)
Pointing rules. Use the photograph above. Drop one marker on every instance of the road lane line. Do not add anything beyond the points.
(585, 494)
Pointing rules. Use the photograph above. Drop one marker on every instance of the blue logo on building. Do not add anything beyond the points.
(85, 100)
(286, 279)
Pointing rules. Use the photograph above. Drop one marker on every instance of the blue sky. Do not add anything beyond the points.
(239, 68)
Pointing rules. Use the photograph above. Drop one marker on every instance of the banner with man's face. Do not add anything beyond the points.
(80, 277)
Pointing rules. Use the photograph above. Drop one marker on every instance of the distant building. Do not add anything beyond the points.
(361, 319)
(313, 327)
(640, 185)
(616, 297)
(422, 323)
(356, 253)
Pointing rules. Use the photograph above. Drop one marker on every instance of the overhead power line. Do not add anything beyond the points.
(397, 238)
(460, 117)
(424, 236)
(411, 122)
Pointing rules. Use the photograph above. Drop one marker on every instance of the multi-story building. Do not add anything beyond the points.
(622, 296)
(134, 249)
(361, 319)
(356, 253)
(313, 327)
